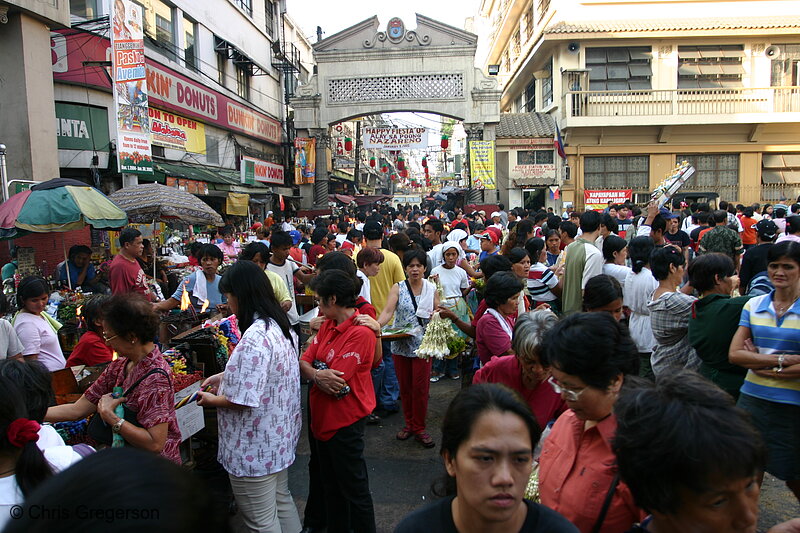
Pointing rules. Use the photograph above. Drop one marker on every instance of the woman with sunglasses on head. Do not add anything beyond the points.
(589, 354)
(129, 328)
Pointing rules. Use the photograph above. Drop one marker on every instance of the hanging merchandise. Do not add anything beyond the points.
(372, 162)
(445, 142)
(348, 144)
(401, 164)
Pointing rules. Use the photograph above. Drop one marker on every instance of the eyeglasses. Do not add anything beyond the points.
(109, 339)
(569, 394)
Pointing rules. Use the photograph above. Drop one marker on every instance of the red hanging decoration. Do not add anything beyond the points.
(385, 169)
(445, 142)
(348, 144)
(427, 183)
(401, 163)
(425, 162)
(404, 173)
(372, 162)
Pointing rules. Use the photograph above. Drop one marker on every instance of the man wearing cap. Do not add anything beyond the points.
(490, 240)
(496, 221)
(583, 262)
(754, 260)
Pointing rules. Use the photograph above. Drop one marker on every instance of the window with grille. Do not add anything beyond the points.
(163, 19)
(544, 5)
(547, 85)
(529, 98)
(713, 172)
(785, 67)
(244, 5)
(709, 67)
(527, 23)
(212, 149)
(222, 63)
(189, 54)
(535, 157)
(617, 172)
(242, 82)
(269, 12)
(619, 68)
(515, 45)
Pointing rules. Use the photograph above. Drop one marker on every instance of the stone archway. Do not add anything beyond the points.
(363, 71)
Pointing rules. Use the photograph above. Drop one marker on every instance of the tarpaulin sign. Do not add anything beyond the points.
(597, 200)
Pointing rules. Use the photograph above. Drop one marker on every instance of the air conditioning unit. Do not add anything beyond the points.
(573, 48)
(772, 52)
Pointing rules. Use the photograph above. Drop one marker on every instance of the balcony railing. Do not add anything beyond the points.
(676, 102)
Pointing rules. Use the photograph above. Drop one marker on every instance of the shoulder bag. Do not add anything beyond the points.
(97, 428)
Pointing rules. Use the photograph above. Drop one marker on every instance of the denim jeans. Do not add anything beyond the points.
(446, 367)
(384, 379)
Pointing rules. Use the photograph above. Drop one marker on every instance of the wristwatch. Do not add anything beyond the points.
(118, 426)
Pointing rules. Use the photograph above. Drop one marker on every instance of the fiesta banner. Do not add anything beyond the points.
(174, 131)
(597, 200)
(129, 75)
(481, 164)
(395, 138)
(305, 157)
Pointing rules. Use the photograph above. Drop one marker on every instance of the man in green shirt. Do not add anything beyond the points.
(9, 269)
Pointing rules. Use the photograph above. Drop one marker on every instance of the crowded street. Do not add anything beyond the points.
(474, 266)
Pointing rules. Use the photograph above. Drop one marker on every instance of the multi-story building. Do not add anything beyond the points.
(637, 86)
(219, 77)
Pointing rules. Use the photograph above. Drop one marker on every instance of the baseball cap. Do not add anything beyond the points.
(667, 214)
(489, 235)
(495, 214)
(373, 230)
(296, 236)
(766, 228)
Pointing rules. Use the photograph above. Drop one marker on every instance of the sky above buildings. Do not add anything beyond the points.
(336, 16)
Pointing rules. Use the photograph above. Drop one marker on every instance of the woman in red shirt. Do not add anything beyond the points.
(338, 362)
(91, 349)
(589, 354)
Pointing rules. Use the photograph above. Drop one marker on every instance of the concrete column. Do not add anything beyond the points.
(749, 178)
(323, 167)
(27, 108)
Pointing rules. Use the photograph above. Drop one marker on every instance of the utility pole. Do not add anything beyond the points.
(3, 172)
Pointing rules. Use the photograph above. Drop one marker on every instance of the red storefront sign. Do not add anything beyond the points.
(166, 88)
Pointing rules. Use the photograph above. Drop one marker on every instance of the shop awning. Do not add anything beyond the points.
(366, 200)
(344, 198)
(236, 204)
(219, 179)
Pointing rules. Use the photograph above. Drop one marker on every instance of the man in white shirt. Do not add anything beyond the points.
(432, 230)
(497, 221)
(279, 264)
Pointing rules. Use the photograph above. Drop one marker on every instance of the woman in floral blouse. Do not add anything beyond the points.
(258, 403)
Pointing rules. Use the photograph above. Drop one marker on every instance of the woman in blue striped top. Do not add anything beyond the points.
(768, 344)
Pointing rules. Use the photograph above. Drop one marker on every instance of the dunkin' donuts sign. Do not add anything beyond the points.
(166, 88)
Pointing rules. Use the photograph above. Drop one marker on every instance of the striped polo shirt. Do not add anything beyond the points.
(772, 335)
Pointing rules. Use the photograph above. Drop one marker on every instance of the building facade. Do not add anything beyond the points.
(636, 87)
(219, 78)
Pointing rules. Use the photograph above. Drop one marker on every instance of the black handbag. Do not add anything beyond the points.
(101, 432)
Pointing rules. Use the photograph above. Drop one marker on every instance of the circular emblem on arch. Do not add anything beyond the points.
(395, 29)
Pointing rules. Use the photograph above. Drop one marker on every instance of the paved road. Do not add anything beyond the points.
(401, 473)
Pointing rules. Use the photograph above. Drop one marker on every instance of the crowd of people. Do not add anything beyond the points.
(624, 370)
